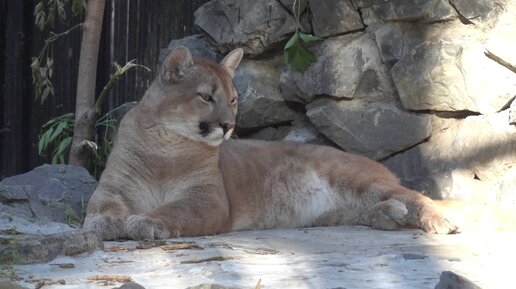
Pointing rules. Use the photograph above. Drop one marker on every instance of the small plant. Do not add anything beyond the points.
(7, 270)
(296, 54)
(70, 215)
(42, 66)
(57, 133)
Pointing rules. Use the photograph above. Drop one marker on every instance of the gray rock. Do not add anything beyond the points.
(255, 26)
(212, 286)
(131, 285)
(347, 66)
(395, 39)
(301, 5)
(259, 99)
(502, 39)
(300, 131)
(410, 10)
(478, 10)
(53, 192)
(197, 44)
(10, 285)
(452, 75)
(332, 17)
(373, 129)
(479, 153)
(450, 280)
(27, 249)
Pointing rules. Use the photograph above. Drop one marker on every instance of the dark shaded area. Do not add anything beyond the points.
(133, 29)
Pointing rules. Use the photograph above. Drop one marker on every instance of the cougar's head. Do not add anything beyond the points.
(196, 97)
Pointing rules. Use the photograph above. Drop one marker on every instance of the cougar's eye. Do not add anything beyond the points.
(206, 97)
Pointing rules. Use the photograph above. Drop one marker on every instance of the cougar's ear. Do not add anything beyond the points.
(231, 61)
(177, 63)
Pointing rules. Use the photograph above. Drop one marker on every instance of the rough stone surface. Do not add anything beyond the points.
(49, 193)
(131, 285)
(402, 10)
(259, 98)
(300, 131)
(512, 113)
(478, 10)
(289, 4)
(197, 44)
(450, 280)
(30, 249)
(325, 258)
(464, 159)
(347, 66)
(212, 286)
(10, 285)
(452, 75)
(255, 26)
(332, 17)
(374, 129)
(502, 40)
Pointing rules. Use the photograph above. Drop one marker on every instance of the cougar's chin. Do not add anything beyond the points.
(215, 137)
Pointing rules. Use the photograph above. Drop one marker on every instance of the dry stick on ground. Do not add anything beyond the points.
(111, 278)
(85, 115)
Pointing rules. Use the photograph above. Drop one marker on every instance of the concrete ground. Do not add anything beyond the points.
(332, 257)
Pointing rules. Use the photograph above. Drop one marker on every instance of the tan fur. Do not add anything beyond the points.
(166, 176)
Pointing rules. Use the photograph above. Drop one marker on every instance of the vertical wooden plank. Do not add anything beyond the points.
(16, 67)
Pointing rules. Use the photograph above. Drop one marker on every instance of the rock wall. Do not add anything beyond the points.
(423, 86)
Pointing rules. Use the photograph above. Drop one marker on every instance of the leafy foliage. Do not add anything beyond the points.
(295, 51)
(296, 55)
(57, 133)
(42, 65)
(45, 11)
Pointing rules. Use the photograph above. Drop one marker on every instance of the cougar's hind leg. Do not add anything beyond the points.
(422, 212)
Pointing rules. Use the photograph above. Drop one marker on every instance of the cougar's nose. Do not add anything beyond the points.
(227, 128)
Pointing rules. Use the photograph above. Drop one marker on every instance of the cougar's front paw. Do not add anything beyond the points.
(437, 223)
(388, 215)
(145, 228)
(107, 227)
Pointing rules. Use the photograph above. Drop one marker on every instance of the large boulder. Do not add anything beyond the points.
(464, 159)
(332, 17)
(57, 193)
(347, 66)
(259, 98)
(452, 74)
(255, 26)
(377, 129)
(301, 130)
(21, 248)
(450, 280)
(502, 39)
(197, 44)
(479, 10)
(410, 10)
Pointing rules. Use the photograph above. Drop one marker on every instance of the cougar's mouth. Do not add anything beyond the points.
(205, 129)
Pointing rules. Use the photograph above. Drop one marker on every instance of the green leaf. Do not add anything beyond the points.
(292, 41)
(59, 129)
(43, 140)
(307, 38)
(78, 6)
(299, 57)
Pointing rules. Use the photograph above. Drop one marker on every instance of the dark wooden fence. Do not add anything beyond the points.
(132, 29)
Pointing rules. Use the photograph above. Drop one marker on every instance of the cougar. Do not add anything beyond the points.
(175, 171)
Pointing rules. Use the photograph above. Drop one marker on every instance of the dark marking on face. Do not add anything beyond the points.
(214, 89)
(205, 128)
